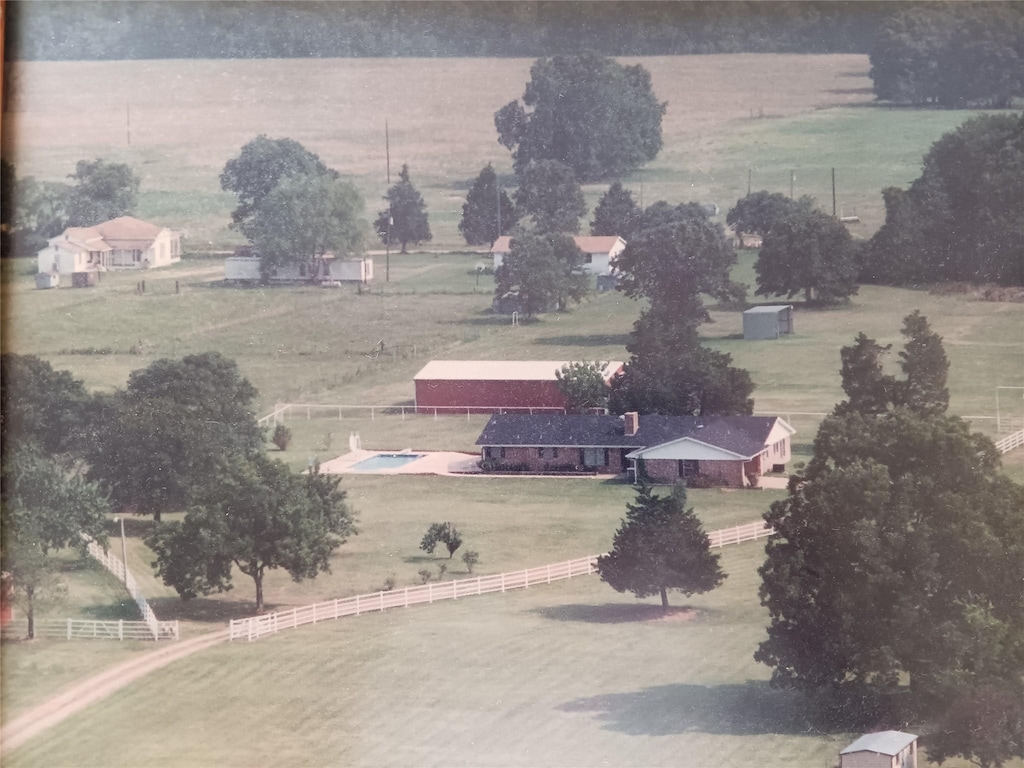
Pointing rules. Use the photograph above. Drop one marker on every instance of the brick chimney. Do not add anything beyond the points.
(631, 423)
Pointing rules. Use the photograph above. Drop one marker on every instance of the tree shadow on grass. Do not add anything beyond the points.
(744, 709)
(844, 91)
(616, 613)
(126, 610)
(420, 559)
(203, 609)
(589, 340)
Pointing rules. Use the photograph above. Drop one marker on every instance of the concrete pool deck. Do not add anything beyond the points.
(429, 463)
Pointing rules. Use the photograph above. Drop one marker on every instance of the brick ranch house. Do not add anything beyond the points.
(731, 451)
(492, 386)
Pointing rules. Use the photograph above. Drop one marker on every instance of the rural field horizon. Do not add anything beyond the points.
(572, 673)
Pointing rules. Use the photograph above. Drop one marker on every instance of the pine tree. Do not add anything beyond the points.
(405, 219)
(480, 214)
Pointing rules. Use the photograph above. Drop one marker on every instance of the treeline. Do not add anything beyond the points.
(166, 30)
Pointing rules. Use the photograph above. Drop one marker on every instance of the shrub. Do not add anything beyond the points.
(470, 558)
(282, 437)
(425, 575)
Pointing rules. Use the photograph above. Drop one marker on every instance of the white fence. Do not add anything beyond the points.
(89, 629)
(157, 629)
(254, 627)
(1008, 443)
(284, 411)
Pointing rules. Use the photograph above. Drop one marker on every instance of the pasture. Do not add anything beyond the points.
(574, 673)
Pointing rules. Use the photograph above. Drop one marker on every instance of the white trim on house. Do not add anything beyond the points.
(704, 451)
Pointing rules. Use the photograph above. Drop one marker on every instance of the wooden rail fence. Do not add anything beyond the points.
(1008, 443)
(255, 627)
(89, 629)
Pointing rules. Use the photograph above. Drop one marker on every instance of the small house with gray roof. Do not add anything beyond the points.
(886, 749)
(732, 451)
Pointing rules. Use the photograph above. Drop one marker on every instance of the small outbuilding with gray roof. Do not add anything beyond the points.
(767, 322)
(886, 749)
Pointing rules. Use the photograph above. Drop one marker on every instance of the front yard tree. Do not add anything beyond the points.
(100, 190)
(257, 516)
(302, 218)
(46, 506)
(616, 213)
(160, 439)
(593, 114)
(260, 165)
(583, 385)
(808, 252)
(544, 269)
(487, 214)
(660, 546)
(549, 194)
(441, 533)
(405, 219)
(898, 555)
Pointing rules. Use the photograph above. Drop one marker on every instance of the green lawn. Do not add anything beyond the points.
(512, 523)
(567, 674)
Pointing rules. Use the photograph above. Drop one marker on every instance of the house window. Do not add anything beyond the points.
(547, 453)
(689, 468)
(136, 256)
(494, 453)
(588, 258)
(595, 457)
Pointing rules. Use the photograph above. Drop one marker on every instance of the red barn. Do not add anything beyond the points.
(491, 386)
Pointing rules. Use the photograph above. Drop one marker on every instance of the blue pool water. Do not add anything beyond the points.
(386, 461)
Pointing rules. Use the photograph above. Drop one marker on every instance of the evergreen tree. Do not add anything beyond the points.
(867, 388)
(405, 219)
(660, 546)
(925, 365)
(480, 214)
(616, 213)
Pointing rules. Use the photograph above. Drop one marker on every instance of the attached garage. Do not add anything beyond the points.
(493, 386)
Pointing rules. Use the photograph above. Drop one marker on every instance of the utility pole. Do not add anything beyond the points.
(128, 121)
(387, 241)
(833, 193)
(750, 176)
(792, 182)
(124, 550)
(497, 203)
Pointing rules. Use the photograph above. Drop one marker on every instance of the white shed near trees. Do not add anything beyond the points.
(886, 749)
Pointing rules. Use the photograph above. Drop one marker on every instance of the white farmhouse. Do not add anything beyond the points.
(121, 243)
(599, 253)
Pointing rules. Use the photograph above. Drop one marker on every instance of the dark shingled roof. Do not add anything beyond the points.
(742, 435)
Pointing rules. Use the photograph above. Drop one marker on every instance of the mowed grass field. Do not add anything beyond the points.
(569, 675)
(727, 115)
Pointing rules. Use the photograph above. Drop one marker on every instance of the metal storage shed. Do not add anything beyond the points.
(887, 749)
(767, 322)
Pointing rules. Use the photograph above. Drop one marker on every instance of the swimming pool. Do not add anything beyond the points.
(386, 461)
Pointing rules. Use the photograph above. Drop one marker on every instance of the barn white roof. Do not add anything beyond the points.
(500, 370)
(884, 743)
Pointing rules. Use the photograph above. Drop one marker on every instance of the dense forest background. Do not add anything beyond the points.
(83, 29)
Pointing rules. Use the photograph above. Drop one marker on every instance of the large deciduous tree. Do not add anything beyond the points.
(100, 190)
(951, 56)
(616, 213)
(545, 271)
(158, 441)
(678, 251)
(808, 252)
(960, 219)
(660, 546)
(303, 218)
(488, 212)
(405, 220)
(597, 116)
(258, 168)
(257, 515)
(898, 554)
(759, 211)
(549, 193)
(40, 405)
(583, 385)
(46, 506)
